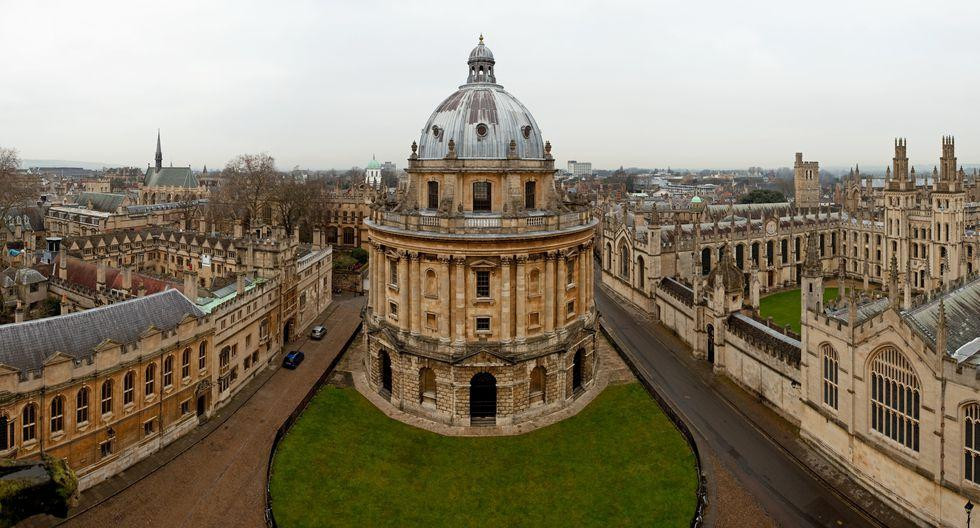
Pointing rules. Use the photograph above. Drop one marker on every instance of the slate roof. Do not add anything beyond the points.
(962, 307)
(104, 202)
(28, 217)
(170, 177)
(25, 346)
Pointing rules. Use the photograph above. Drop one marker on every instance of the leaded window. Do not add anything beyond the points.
(971, 443)
(895, 393)
(830, 382)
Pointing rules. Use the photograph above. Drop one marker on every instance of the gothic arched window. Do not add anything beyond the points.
(971, 443)
(624, 260)
(830, 382)
(895, 394)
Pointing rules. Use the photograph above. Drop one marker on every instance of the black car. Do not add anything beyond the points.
(318, 332)
(293, 359)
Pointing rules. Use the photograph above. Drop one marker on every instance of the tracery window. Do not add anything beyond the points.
(624, 261)
(830, 382)
(895, 393)
(81, 405)
(971, 443)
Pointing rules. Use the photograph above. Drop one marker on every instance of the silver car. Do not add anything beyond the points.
(318, 332)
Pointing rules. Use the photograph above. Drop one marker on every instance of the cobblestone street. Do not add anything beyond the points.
(220, 479)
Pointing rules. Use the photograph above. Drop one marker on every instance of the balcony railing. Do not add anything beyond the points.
(481, 222)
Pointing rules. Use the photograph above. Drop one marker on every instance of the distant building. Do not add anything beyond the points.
(169, 184)
(580, 168)
(372, 174)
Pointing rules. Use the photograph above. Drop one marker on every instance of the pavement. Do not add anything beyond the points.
(215, 475)
(758, 470)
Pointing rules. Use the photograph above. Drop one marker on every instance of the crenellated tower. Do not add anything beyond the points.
(806, 180)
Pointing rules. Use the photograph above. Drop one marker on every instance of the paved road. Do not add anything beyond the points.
(220, 481)
(787, 491)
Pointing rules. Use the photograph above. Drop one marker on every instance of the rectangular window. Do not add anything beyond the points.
(533, 319)
(393, 272)
(570, 272)
(570, 308)
(148, 427)
(105, 448)
(430, 321)
(433, 195)
(481, 196)
(529, 195)
(483, 283)
(185, 407)
(482, 324)
(393, 310)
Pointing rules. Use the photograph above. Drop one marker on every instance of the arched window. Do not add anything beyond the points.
(895, 393)
(185, 364)
(6, 432)
(431, 283)
(29, 422)
(608, 256)
(427, 387)
(536, 392)
(168, 372)
(640, 272)
(971, 443)
(830, 383)
(332, 235)
(533, 281)
(202, 356)
(481, 196)
(81, 406)
(624, 261)
(129, 381)
(151, 375)
(705, 261)
(433, 188)
(106, 396)
(57, 414)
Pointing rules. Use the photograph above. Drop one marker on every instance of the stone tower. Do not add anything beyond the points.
(948, 217)
(806, 180)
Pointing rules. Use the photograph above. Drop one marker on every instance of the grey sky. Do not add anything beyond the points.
(328, 84)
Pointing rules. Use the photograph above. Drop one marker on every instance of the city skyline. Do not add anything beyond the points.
(724, 87)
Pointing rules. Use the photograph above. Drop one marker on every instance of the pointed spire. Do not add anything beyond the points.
(811, 267)
(159, 156)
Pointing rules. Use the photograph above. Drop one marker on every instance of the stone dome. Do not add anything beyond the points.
(481, 118)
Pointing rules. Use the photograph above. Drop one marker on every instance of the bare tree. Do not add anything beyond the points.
(291, 199)
(16, 190)
(246, 188)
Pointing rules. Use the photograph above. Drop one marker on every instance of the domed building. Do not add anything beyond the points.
(481, 308)
(372, 173)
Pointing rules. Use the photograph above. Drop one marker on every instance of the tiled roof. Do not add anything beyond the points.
(84, 273)
(25, 346)
(104, 202)
(170, 177)
(962, 307)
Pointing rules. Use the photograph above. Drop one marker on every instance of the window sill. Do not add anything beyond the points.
(569, 287)
(533, 295)
(483, 300)
(393, 287)
(81, 427)
(57, 436)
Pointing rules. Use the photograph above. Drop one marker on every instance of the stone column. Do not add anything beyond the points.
(521, 292)
(372, 276)
(549, 292)
(505, 297)
(583, 282)
(444, 298)
(561, 285)
(459, 317)
(404, 311)
(415, 294)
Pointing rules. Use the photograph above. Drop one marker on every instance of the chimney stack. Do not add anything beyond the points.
(127, 279)
(317, 238)
(19, 313)
(240, 283)
(190, 285)
(100, 276)
(62, 263)
(141, 290)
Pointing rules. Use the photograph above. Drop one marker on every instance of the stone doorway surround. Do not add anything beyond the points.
(612, 369)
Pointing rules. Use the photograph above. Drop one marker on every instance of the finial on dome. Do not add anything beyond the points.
(481, 38)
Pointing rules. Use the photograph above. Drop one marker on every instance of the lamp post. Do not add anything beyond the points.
(969, 508)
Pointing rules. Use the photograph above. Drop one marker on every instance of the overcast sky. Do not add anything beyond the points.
(328, 84)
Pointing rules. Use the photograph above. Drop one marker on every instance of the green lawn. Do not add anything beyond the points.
(784, 307)
(619, 462)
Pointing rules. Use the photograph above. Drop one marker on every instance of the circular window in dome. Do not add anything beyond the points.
(481, 129)
(436, 131)
(526, 130)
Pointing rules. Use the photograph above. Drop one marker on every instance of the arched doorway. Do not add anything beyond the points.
(483, 399)
(577, 371)
(287, 331)
(711, 344)
(385, 366)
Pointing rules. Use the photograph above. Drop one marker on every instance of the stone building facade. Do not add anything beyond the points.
(480, 309)
(885, 387)
(806, 180)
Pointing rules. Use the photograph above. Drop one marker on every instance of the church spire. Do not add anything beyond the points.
(159, 156)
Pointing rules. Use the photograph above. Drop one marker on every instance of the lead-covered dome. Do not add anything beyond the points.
(481, 118)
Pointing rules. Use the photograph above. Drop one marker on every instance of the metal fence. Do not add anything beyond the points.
(270, 518)
(698, 520)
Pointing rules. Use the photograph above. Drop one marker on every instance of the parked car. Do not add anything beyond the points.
(318, 332)
(293, 359)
